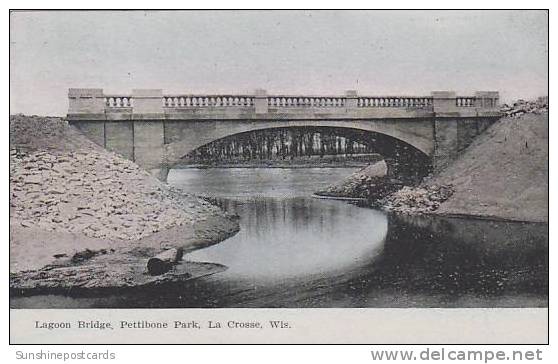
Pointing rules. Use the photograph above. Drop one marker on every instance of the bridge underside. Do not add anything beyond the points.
(403, 160)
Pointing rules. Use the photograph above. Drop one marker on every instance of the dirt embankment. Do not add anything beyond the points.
(503, 174)
(76, 205)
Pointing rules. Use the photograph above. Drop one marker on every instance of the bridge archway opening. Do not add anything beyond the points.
(404, 161)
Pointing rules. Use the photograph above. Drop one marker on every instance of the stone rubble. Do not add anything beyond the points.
(521, 107)
(417, 200)
(369, 182)
(88, 190)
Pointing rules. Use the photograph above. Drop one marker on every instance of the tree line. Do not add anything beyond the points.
(272, 144)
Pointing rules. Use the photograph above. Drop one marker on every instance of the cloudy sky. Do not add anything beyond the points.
(374, 52)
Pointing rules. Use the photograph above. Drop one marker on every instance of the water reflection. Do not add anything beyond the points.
(296, 251)
(294, 237)
(256, 182)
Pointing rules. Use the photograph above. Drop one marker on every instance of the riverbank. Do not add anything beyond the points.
(502, 175)
(81, 216)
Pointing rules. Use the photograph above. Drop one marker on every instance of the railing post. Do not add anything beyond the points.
(260, 101)
(351, 99)
(86, 101)
(487, 99)
(147, 101)
(444, 102)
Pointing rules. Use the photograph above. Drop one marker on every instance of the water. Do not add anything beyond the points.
(297, 251)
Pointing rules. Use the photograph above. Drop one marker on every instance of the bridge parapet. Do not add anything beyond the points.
(153, 104)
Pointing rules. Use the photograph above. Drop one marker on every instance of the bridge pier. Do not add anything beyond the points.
(155, 129)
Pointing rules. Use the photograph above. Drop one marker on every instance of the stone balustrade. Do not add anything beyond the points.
(397, 101)
(207, 100)
(154, 101)
(465, 101)
(305, 101)
(118, 101)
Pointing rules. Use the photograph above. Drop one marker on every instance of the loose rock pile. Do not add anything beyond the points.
(521, 107)
(418, 200)
(89, 190)
(367, 183)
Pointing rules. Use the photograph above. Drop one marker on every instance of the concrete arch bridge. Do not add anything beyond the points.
(156, 130)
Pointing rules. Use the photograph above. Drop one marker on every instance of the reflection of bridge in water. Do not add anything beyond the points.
(156, 130)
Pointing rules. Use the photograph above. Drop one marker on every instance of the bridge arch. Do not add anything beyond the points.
(408, 149)
(185, 137)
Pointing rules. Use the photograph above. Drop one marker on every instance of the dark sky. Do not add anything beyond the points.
(374, 52)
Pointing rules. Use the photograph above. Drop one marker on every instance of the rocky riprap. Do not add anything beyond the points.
(368, 183)
(417, 200)
(96, 193)
(521, 107)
